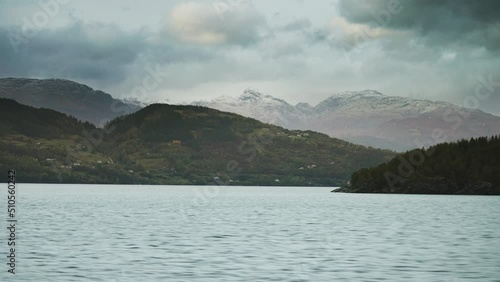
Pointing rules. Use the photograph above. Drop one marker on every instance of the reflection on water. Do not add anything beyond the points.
(146, 233)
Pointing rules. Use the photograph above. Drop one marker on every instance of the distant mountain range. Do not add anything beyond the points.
(363, 117)
(367, 117)
(66, 96)
(190, 144)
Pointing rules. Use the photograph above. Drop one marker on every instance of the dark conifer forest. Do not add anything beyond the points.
(464, 167)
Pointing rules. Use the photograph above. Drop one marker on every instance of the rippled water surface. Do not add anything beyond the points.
(148, 233)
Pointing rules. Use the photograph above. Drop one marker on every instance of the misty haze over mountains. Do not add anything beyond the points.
(363, 117)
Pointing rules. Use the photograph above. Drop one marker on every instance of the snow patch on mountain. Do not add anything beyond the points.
(254, 104)
(370, 101)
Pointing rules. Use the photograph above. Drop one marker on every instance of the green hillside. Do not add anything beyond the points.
(43, 145)
(39, 123)
(196, 144)
(164, 144)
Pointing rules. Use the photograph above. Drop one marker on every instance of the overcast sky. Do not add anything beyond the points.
(298, 50)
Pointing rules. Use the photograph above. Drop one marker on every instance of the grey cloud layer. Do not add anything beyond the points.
(101, 53)
(444, 22)
(105, 54)
(434, 48)
(204, 23)
(81, 51)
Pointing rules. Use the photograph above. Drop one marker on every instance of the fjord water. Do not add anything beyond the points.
(162, 233)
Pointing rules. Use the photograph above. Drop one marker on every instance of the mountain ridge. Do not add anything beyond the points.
(361, 117)
(365, 117)
(66, 96)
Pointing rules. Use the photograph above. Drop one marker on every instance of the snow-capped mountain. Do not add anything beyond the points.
(367, 117)
(259, 106)
(370, 101)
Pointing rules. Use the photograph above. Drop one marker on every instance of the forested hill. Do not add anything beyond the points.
(164, 144)
(16, 118)
(464, 167)
(198, 144)
(46, 146)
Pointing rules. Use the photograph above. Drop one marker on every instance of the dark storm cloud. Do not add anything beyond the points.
(97, 52)
(475, 23)
(102, 53)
